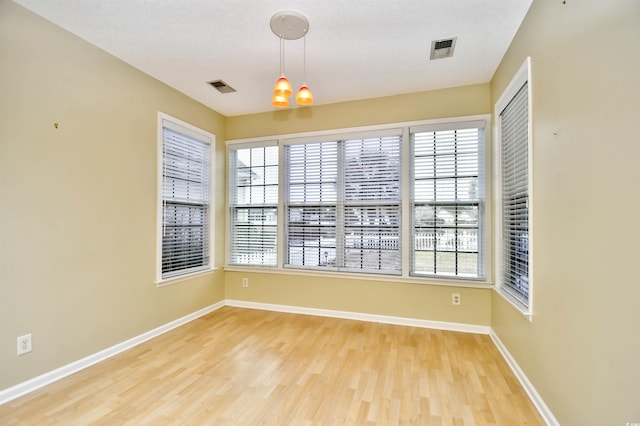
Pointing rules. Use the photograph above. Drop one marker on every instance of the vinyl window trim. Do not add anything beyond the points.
(167, 121)
(457, 202)
(234, 204)
(520, 78)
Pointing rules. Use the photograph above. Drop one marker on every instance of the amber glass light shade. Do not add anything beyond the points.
(304, 96)
(282, 87)
(280, 101)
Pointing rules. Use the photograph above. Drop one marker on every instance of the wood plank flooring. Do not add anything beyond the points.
(250, 367)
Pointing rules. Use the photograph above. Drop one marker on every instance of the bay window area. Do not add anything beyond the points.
(403, 201)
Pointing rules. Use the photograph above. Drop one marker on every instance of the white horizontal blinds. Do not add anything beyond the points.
(311, 204)
(515, 196)
(254, 206)
(185, 203)
(343, 204)
(447, 201)
(371, 220)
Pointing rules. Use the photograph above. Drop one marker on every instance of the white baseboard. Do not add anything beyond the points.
(535, 397)
(385, 319)
(23, 388)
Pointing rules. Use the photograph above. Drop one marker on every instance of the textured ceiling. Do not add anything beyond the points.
(355, 49)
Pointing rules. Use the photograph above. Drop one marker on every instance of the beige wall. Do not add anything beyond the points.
(78, 272)
(582, 350)
(419, 301)
(406, 300)
(452, 102)
(78, 203)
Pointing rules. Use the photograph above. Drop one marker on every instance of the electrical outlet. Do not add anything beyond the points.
(24, 344)
(245, 282)
(455, 298)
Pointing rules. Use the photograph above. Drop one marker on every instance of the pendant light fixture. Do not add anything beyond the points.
(282, 89)
(289, 25)
(304, 96)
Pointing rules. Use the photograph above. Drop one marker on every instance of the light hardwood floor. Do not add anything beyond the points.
(250, 367)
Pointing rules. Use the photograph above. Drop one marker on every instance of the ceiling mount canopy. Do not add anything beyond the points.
(289, 25)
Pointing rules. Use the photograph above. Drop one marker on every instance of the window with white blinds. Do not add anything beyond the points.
(185, 200)
(448, 200)
(358, 201)
(254, 205)
(342, 204)
(513, 127)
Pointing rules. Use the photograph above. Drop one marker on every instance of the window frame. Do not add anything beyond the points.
(405, 215)
(344, 203)
(521, 77)
(232, 205)
(481, 265)
(191, 131)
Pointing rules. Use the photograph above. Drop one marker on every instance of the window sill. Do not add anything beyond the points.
(180, 278)
(447, 282)
(527, 313)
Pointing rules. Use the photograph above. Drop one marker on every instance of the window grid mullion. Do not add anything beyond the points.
(455, 191)
(340, 208)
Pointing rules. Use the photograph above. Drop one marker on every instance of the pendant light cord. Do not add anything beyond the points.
(304, 59)
(281, 55)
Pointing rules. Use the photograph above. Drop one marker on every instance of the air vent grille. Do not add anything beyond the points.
(442, 48)
(221, 86)
(443, 44)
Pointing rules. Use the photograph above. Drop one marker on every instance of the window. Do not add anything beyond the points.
(448, 200)
(404, 200)
(184, 211)
(254, 205)
(342, 203)
(513, 127)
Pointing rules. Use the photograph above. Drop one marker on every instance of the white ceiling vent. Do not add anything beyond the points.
(443, 48)
(221, 86)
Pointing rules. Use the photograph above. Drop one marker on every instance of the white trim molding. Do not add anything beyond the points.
(534, 396)
(165, 121)
(522, 77)
(357, 316)
(35, 383)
